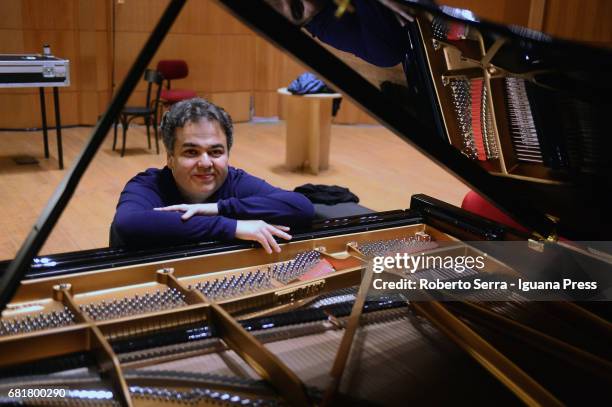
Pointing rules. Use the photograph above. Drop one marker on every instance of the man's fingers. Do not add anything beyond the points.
(281, 227)
(189, 214)
(172, 208)
(263, 233)
(277, 232)
(264, 242)
(165, 208)
(273, 244)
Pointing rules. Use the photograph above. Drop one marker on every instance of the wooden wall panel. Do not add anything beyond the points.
(207, 71)
(237, 104)
(350, 113)
(138, 15)
(289, 70)
(63, 43)
(104, 98)
(19, 110)
(88, 107)
(266, 104)
(218, 21)
(23, 110)
(11, 41)
(87, 61)
(49, 15)
(69, 102)
(93, 15)
(223, 64)
(191, 18)
(126, 45)
(581, 20)
(103, 61)
(267, 65)
(227, 63)
(94, 58)
(137, 98)
(10, 10)
(273, 68)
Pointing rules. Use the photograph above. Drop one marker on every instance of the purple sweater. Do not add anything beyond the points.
(371, 32)
(242, 196)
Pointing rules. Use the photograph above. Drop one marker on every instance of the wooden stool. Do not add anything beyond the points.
(308, 130)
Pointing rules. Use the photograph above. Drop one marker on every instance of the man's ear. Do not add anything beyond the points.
(170, 161)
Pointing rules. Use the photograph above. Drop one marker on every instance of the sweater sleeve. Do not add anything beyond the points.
(256, 199)
(136, 222)
(371, 32)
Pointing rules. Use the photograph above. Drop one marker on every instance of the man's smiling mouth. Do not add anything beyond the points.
(204, 176)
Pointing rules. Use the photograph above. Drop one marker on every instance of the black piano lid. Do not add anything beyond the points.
(576, 210)
(581, 206)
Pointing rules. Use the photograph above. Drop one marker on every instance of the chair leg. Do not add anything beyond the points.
(115, 132)
(148, 132)
(124, 124)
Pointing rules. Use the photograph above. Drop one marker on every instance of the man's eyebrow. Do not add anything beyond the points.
(200, 146)
(190, 145)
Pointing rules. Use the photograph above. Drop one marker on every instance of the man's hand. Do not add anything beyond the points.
(263, 233)
(206, 209)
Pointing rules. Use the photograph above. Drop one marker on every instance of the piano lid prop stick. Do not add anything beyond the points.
(264, 362)
(347, 339)
(546, 343)
(508, 373)
(105, 356)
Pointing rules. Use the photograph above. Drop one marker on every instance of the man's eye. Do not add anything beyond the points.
(216, 153)
(190, 153)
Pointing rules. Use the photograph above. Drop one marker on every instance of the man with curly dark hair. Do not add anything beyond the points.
(198, 196)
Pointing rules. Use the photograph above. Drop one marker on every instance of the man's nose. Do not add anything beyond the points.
(205, 161)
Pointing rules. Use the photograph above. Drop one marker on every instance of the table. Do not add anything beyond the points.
(41, 71)
(308, 130)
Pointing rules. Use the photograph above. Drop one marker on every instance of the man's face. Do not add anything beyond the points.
(199, 161)
(299, 12)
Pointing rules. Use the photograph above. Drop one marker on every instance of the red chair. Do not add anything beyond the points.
(172, 69)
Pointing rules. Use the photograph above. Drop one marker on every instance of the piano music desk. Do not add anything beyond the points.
(308, 130)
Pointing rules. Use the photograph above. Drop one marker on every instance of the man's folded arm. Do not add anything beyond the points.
(136, 222)
(276, 206)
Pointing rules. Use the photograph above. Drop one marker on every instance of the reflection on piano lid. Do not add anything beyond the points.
(227, 324)
(524, 112)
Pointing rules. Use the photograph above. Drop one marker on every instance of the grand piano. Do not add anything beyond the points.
(513, 113)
